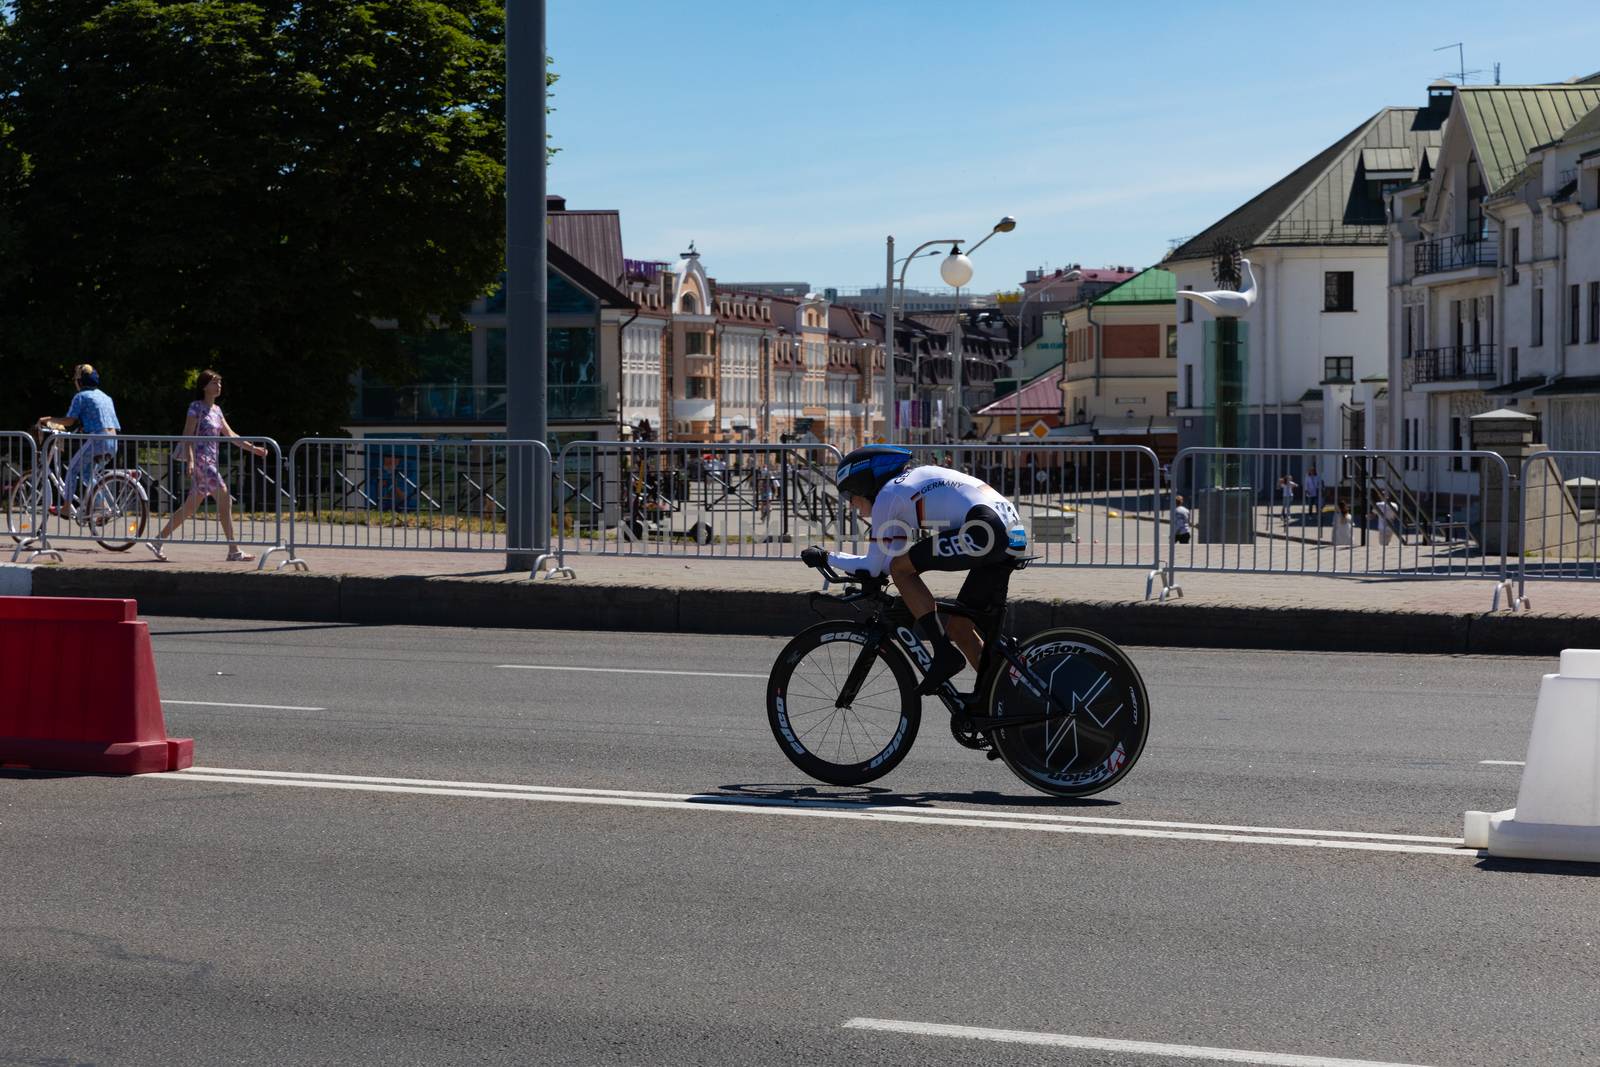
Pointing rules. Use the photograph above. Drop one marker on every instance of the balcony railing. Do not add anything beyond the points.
(1453, 253)
(1457, 363)
(449, 402)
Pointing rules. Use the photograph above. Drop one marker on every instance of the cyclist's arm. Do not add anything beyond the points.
(891, 536)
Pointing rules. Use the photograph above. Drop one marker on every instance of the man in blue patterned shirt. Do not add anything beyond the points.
(91, 412)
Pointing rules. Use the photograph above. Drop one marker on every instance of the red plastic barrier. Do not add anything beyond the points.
(78, 689)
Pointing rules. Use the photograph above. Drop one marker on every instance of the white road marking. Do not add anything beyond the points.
(823, 802)
(220, 704)
(1504, 762)
(1043, 822)
(1111, 1044)
(621, 670)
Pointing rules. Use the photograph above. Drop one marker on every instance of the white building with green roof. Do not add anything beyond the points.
(1495, 268)
(1318, 335)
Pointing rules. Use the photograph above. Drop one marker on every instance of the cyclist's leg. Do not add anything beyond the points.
(77, 477)
(954, 640)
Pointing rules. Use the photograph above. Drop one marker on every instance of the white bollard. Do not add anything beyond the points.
(1557, 816)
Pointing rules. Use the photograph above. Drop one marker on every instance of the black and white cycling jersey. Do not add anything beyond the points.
(927, 498)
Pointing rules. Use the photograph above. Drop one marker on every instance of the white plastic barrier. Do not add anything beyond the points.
(1557, 816)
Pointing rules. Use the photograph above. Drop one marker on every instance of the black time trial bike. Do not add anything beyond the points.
(1065, 708)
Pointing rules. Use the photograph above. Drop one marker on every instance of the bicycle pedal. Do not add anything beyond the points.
(991, 754)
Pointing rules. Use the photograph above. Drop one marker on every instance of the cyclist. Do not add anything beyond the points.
(974, 529)
(93, 413)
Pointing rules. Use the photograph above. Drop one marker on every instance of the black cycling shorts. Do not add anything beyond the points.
(980, 545)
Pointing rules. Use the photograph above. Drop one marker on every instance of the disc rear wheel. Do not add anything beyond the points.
(1096, 725)
(850, 744)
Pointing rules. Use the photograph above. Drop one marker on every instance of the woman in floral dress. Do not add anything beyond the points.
(205, 477)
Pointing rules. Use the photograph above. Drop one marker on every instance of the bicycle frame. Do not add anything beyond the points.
(891, 621)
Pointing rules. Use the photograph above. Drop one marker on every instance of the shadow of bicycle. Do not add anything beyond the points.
(856, 797)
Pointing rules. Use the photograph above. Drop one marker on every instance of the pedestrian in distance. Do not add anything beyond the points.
(91, 412)
(1343, 531)
(1286, 488)
(205, 419)
(1387, 512)
(1181, 521)
(1313, 490)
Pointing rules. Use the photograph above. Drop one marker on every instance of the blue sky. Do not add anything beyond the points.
(787, 139)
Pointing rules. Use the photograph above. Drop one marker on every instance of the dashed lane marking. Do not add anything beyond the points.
(220, 704)
(1111, 1044)
(621, 670)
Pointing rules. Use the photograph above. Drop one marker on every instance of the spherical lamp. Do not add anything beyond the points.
(956, 270)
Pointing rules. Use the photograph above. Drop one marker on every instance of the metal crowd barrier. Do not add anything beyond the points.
(1394, 514)
(120, 490)
(410, 494)
(19, 456)
(1557, 534)
(1083, 505)
(705, 501)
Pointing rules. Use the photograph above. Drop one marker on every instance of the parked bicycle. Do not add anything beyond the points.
(1065, 708)
(111, 502)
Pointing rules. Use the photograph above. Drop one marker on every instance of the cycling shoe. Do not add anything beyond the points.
(947, 663)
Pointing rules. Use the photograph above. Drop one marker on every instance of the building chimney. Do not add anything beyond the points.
(1440, 94)
(555, 203)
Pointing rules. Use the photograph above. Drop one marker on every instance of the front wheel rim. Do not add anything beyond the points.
(860, 734)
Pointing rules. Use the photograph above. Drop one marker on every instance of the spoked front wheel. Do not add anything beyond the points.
(867, 736)
(1095, 727)
(117, 511)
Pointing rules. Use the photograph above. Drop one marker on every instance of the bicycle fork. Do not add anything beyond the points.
(863, 665)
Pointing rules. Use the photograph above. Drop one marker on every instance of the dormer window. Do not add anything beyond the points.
(688, 305)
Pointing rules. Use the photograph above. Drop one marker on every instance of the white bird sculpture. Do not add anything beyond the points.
(1224, 303)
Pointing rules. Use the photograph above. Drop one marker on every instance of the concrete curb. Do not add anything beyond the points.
(517, 603)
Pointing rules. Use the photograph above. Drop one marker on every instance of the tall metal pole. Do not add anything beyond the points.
(528, 484)
(891, 416)
(954, 425)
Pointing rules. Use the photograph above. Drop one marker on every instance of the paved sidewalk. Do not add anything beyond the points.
(1580, 599)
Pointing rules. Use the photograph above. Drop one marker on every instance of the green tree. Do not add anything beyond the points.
(245, 186)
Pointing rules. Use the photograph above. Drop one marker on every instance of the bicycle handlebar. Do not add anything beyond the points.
(834, 577)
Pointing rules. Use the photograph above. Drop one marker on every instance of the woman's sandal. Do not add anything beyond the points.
(238, 556)
(155, 550)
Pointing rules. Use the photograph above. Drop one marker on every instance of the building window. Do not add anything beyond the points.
(694, 344)
(1188, 308)
(1573, 309)
(1456, 327)
(689, 304)
(1188, 386)
(1339, 369)
(1516, 254)
(1458, 442)
(1594, 312)
(1411, 333)
(697, 388)
(1511, 364)
(1172, 402)
(1339, 290)
(1538, 317)
(1172, 342)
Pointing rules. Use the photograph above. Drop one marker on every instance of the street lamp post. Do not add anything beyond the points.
(953, 267)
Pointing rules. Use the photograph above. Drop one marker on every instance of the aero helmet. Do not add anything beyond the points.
(867, 469)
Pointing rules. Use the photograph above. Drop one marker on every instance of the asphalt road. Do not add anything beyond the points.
(582, 901)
